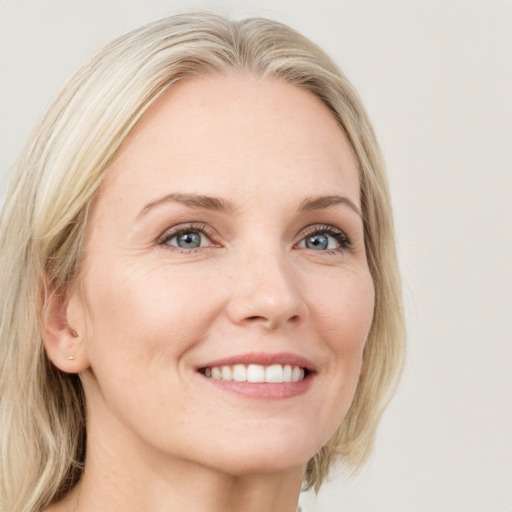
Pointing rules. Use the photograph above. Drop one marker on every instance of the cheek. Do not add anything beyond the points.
(346, 307)
(143, 313)
(141, 325)
(346, 314)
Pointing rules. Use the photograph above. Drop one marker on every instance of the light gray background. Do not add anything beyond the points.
(436, 78)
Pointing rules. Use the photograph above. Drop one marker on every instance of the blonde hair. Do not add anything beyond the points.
(42, 410)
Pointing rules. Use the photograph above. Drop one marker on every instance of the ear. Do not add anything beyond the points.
(64, 342)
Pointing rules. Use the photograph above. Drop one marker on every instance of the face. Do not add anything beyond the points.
(226, 245)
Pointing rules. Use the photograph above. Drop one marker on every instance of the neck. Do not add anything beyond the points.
(120, 475)
(193, 489)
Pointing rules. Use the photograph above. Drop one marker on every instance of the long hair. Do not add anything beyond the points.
(44, 220)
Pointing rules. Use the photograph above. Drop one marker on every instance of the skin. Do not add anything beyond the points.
(147, 312)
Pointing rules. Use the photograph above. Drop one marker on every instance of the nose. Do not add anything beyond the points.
(266, 293)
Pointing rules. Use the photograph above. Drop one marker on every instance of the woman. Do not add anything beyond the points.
(201, 305)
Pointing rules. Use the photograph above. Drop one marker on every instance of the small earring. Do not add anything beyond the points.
(70, 358)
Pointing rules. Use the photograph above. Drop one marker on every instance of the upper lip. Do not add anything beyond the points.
(263, 359)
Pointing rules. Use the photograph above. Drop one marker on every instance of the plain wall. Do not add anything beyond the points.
(436, 77)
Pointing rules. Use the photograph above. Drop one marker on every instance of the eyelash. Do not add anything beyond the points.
(327, 229)
(180, 230)
(205, 229)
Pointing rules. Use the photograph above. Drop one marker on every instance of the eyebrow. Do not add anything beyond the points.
(192, 201)
(222, 205)
(321, 202)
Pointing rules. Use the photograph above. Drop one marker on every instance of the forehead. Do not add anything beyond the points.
(233, 131)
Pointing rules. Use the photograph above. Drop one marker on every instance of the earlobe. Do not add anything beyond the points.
(63, 343)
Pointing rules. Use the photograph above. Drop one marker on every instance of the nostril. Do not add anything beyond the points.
(261, 308)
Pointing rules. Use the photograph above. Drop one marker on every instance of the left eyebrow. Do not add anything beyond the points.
(321, 202)
(192, 201)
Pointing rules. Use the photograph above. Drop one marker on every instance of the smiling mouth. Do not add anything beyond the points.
(256, 373)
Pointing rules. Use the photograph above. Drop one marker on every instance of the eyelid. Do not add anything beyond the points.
(174, 231)
(340, 235)
(179, 229)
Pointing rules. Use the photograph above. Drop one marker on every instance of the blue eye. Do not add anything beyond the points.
(325, 239)
(318, 242)
(186, 239)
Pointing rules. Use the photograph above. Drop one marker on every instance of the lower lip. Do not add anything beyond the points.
(264, 390)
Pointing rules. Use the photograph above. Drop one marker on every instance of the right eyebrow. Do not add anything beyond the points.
(192, 201)
(322, 202)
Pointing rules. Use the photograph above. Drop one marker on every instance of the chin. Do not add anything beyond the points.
(273, 452)
(262, 463)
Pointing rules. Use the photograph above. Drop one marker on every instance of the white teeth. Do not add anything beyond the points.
(274, 373)
(296, 374)
(226, 372)
(256, 373)
(239, 373)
